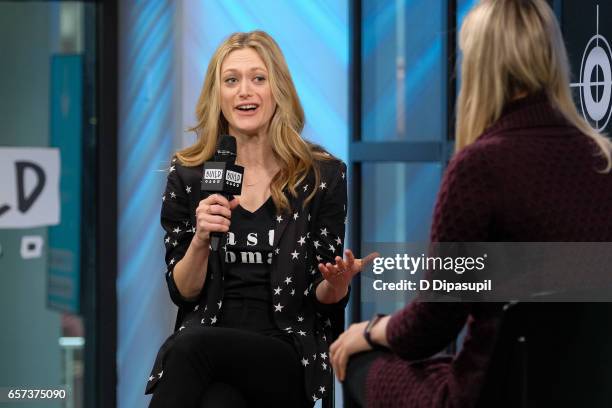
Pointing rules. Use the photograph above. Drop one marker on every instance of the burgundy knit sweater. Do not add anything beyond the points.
(530, 177)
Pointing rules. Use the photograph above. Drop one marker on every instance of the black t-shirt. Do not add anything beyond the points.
(248, 253)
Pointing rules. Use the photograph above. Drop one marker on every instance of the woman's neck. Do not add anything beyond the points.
(255, 151)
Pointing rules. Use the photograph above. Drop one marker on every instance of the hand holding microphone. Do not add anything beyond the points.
(222, 179)
(213, 215)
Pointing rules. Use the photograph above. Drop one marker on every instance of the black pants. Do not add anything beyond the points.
(354, 385)
(229, 367)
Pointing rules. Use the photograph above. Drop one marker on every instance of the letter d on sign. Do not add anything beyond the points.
(25, 202)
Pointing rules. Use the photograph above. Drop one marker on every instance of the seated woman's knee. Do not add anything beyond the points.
(187, 342)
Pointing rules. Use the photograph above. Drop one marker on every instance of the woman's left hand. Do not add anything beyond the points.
(350, 342)
(339, 276)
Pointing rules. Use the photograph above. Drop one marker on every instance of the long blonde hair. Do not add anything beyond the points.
(511, 47)
(295, 155)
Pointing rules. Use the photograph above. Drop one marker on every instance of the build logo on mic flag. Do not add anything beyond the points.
(213, 175)
(222, 177)
(233, 178)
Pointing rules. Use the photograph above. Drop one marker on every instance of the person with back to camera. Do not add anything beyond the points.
(255, 317)
(527, 168)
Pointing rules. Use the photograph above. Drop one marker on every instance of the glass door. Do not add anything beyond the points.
(47, 130)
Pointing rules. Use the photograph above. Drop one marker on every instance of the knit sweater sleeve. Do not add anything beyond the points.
(463, 213)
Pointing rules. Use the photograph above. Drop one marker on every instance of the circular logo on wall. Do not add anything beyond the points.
(596, 81)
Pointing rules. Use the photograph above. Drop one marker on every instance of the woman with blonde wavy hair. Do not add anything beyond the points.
(255, 317)
(527, 168)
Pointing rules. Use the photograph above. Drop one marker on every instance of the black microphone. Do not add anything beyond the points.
(222, 176)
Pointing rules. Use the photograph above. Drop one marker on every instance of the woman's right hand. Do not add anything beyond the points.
(212, 215)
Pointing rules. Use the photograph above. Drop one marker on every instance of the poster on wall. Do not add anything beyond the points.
(588, 37)
(66, 117)
(30, 187)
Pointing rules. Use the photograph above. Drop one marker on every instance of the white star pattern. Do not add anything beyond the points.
(161, 373)
(327, 226)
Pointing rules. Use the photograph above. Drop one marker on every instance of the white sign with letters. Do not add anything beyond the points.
(29, 187)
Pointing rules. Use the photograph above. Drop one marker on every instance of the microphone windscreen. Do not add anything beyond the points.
(226, 149)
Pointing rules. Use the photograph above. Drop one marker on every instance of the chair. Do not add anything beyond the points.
(551, 354)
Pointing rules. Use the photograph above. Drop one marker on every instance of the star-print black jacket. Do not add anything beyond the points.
(303, 237)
